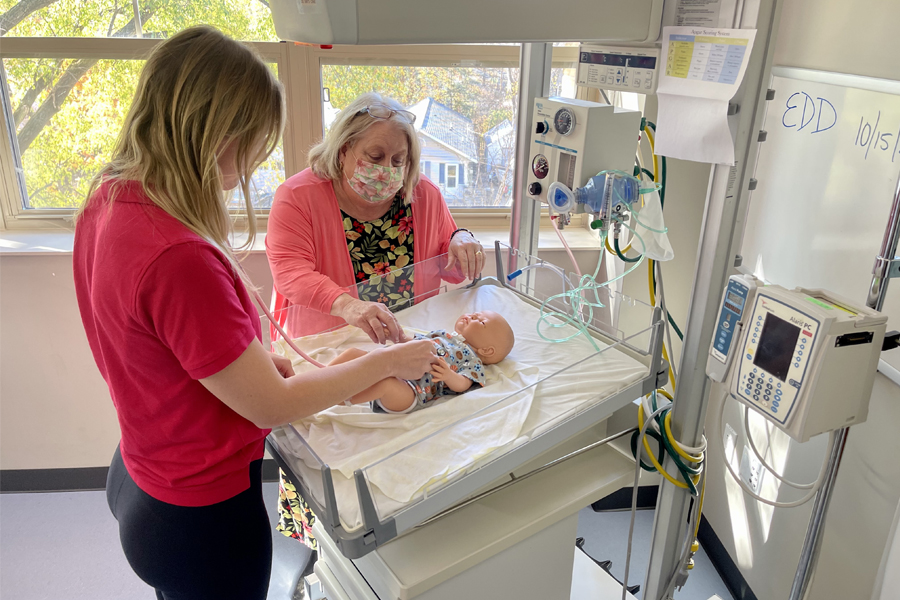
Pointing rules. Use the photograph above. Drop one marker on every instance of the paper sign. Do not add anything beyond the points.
(705, 13)
(701, 71)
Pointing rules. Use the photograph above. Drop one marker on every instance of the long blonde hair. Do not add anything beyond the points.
(198, 91)
(325, 157)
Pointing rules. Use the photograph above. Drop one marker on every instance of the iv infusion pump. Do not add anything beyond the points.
(803, 358)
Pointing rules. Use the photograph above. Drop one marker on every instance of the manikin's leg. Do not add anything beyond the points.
(395, 394)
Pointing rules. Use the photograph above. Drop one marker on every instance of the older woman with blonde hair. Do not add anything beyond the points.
(325, 231)
(361, 208)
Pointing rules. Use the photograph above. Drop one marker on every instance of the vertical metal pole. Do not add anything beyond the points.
(727, 198)
(880, 274)
(535, 62)
(809, 555)
(812, 545)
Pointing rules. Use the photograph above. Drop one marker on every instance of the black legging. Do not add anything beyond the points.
(222, 551)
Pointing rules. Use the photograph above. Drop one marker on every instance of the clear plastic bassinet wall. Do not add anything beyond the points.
(580, 354)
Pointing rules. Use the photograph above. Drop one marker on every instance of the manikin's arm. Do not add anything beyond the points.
(440, 371)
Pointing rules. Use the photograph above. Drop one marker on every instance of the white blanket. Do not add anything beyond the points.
(406, 455)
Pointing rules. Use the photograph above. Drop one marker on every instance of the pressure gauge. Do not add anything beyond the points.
(564, 121)
(540, 167)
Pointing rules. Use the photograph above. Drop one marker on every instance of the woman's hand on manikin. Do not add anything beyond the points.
(467, 252)
(411, 360)
(283, 365)
(373, 318)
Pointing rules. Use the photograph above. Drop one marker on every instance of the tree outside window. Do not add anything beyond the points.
(66, 113)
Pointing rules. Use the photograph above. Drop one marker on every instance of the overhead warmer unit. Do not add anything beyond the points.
(466, 21)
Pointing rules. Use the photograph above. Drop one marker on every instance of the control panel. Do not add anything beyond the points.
(735, 301)
(775, 356)
(573, 140)
(618, 68)
(805, 359)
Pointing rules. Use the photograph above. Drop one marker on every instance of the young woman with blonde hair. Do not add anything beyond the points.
(174, 331)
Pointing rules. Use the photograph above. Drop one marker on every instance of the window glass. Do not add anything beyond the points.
(66, 116)
(465, 117)
(241, 19)
(451, 176)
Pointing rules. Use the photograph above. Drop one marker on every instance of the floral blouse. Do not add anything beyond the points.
(379, 250)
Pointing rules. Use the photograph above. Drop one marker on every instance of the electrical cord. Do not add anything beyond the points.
(662, 180)
(759, 457)
(689, 541)
(634, 493)
(651, 141)
(670, 319)
(659, 432)
(690, 475)
(809, 496)
(665, 309)
(653, 303)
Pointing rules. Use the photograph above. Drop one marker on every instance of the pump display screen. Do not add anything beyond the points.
(776, 346)
(734, 302)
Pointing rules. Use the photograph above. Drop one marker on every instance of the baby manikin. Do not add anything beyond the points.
(478, 339)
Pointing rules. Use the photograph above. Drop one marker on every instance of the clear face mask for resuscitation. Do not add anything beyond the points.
(375, 183)
(610, 192)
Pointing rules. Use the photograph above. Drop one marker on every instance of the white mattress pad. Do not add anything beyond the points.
(406, 456)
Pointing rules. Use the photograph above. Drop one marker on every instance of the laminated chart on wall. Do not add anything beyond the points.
(706, 13)
(701, 71)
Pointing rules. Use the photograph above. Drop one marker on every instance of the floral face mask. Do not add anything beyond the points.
(375, 183)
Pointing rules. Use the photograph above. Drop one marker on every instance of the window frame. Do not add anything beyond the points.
(455, 176)
(299, 69)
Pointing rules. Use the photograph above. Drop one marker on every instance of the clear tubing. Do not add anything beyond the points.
(284, 335)
(580, 304)
(565, 245)
(642, 224)
(562, 274)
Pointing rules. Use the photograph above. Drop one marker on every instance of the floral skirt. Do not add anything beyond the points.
(295, 519)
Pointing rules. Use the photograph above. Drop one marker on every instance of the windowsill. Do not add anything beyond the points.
(36, 242)
(578, 238)
(40, 242)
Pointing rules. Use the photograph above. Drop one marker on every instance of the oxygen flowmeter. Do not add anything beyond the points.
(573, 140)
(804, 358)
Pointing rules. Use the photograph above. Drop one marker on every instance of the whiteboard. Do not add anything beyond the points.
(827, 174)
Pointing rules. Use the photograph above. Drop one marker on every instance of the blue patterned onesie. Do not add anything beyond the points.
(458, 355)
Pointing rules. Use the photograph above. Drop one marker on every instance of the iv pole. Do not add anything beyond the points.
(726, 199)
(812, 545)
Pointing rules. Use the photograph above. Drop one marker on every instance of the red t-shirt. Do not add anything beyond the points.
(163, 308)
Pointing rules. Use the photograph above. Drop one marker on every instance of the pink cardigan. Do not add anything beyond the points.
(308, 254)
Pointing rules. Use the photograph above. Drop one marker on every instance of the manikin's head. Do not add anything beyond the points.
(488, 333)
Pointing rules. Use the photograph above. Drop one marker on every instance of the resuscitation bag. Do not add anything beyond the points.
(650, 225)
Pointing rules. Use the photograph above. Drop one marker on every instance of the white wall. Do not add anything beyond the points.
(857, 38)
(686, 186)
(55, 409)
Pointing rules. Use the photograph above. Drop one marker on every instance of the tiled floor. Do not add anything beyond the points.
(65, 545)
